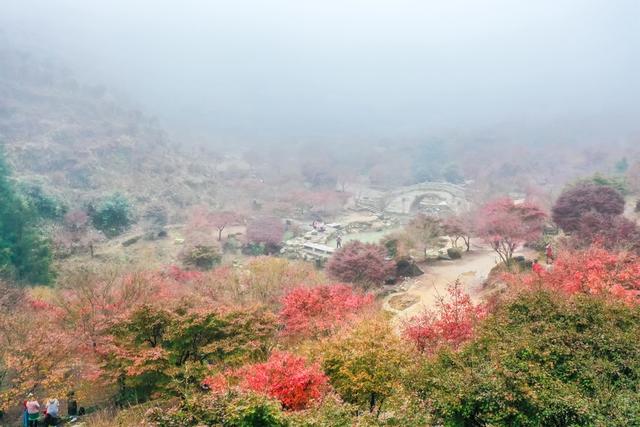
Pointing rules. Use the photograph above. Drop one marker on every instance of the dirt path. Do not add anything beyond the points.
(472, 270)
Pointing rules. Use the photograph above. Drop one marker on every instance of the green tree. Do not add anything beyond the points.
(366, 366)
(158, 350)
(24, 255)
(541, 359)
(42, 204)
(113, 216)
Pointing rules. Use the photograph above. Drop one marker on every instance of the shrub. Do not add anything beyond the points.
(585, 198)
(202, 257)
(233, 409)
(454, 253)
(113, 216)
(362, 263)
(594, 271)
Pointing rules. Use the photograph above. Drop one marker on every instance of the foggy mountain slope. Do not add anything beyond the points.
(81, 142)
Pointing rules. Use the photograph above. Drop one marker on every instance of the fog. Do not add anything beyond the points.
(292, 69)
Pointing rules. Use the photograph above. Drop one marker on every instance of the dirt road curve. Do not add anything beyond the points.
(472, 270)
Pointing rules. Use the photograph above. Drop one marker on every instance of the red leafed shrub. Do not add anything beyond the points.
(451, 324)
(613, 233)
(593, 271)
(583, 198)
(363, 263)
(311, 312)
(288, 378)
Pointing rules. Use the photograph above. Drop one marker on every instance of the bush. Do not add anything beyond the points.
(454, 253)
(362, 263)
(586, 198)
(233, 409)
(113, 216)
(202, 257)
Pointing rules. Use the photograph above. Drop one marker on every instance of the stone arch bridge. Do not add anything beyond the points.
(430, 197)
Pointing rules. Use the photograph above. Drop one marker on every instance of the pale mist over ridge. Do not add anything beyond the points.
(248, 71)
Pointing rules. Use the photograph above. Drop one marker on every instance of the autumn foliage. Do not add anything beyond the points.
(594, 271)
(584, 198)
(506, 225)
(267, 230)
(362, 263)
(592, 213)
(317, 311)
(450, 324)
(288, 378)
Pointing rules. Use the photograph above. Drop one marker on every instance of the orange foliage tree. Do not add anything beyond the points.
(317, 311)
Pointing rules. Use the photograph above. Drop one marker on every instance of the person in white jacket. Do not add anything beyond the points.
(52, 409)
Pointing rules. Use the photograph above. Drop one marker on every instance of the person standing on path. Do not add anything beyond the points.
(51, 417)
(33, 410)
(549, 253)
(25, 414)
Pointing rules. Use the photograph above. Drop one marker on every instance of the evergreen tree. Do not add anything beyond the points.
(24, 255)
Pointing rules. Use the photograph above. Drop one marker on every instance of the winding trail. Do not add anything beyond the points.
(472, 270)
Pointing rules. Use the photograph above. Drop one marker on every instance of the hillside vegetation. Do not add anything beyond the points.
(82, 142)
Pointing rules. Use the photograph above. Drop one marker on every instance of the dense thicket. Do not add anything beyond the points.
(542, 360)
(24, 255)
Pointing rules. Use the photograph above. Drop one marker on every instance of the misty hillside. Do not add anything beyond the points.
(304, 214)
(81, 142)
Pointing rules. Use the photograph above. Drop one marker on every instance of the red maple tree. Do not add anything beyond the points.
(450, 324)
(267, 230)
(506, 225)
(584, 198)
(317, 311)
(288, 378)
